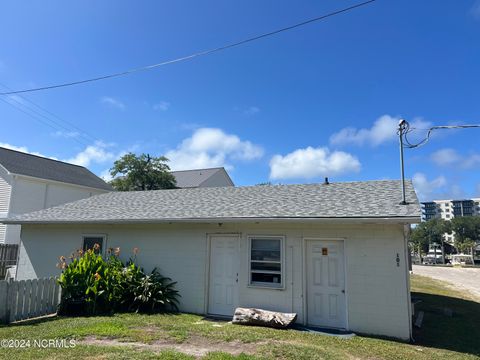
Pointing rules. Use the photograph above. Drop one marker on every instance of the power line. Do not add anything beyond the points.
(48, 117)
(408, 130)
(37, 116)
(194, 55)
(404, 129)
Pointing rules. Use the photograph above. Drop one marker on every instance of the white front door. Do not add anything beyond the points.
(224, 263)
(326, 306)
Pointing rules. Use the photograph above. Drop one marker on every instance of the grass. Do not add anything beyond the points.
(461, 331)
(168, 336)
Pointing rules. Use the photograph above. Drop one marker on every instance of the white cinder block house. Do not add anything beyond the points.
(29, 182)
(336, 253)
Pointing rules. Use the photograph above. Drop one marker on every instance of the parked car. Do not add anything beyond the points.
(433, 258)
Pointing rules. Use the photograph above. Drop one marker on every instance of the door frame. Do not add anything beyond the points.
(208, 256)
(304, 277)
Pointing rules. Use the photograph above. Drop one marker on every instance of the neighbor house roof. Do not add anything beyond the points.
(20, 163)
(370, 199)
(195, 178)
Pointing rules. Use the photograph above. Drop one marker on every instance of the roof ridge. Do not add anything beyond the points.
(213, 168)
(42, 157)
(235, 188)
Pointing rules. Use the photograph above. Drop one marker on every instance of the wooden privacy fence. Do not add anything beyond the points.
(26, 299)
(8, 257)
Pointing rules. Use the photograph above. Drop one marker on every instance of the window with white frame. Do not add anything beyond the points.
(89, 242)
(266, 265)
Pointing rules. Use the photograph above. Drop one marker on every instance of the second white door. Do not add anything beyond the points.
(326, 306)
(223, 279)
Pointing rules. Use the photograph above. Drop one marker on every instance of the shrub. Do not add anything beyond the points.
(93, 285)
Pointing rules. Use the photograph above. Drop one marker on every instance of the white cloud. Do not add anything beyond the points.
(66, 134)
(161, 106)
(105, 175)
(251, 110)
(384, 129)
(447, 157)
(312, 162)
(211, 147)
(97, 153)
(23, 149)
(426, 188)
(112, 102)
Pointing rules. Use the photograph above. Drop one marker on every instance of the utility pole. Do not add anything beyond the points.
(401, 127)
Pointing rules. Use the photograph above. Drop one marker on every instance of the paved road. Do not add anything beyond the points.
(461, 278)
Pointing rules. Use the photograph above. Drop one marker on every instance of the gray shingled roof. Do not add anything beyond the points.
(194, 178)
(369, 199)
(20, 163)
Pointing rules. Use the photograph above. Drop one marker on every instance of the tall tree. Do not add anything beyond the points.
(467, 233)
(142, 172)
(429, 232)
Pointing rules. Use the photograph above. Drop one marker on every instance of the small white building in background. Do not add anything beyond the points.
(336, 254)
(29, 182)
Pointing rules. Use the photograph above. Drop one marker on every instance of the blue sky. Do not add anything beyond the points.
(321, 100)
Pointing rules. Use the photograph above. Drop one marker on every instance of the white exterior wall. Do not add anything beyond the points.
(377, 290)
(30, 194)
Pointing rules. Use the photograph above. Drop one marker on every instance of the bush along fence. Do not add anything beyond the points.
(26, 299)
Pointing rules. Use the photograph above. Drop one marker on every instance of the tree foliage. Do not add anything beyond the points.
(467, 232)
(142, 172)
(428, 232)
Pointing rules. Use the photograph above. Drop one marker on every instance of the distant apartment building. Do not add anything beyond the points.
(448, 209)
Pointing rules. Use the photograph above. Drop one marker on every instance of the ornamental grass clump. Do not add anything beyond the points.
(94, 285)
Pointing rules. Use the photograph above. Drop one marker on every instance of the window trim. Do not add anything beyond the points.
(260, 285)
(103, 236)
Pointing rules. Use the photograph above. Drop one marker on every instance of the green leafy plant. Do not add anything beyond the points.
(92, 285)
(154, 293)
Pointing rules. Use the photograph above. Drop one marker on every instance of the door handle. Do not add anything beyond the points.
(236, 279)
(343, 291)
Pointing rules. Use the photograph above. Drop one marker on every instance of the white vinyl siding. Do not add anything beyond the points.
(3, 231)
(5, 190)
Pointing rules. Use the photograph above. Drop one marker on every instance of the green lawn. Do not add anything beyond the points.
(185, 336)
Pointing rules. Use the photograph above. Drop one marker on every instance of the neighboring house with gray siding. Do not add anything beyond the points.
(335, 254)
(29, 182)
(213, 177)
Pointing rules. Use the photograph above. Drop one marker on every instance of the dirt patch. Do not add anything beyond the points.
(196, 346)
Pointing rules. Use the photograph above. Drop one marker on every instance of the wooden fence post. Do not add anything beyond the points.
(12, 300)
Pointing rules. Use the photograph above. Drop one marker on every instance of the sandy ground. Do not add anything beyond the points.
(460, 278)
(195, 346)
